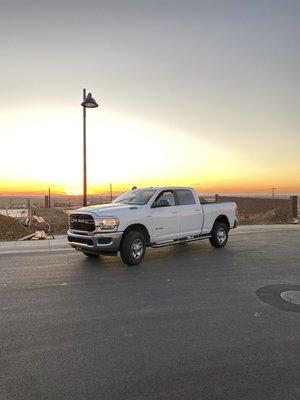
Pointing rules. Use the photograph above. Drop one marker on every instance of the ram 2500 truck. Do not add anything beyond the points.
(150, 217)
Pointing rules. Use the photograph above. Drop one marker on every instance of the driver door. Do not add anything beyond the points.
(164, 214)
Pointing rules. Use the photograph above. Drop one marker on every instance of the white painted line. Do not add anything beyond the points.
(291, 296)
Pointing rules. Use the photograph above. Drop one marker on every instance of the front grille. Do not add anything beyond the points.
(82, 222)
(89, 242)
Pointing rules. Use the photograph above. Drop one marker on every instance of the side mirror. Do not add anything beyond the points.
(161, 203)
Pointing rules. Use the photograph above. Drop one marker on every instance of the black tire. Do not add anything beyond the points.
(219, 235)
(91, 255)
(133, 248)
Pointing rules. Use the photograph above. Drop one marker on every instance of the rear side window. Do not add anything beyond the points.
(185, 197)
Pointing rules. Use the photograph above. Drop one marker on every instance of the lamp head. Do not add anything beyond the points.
(89, 102)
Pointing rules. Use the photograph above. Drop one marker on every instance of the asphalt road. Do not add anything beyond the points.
(186, 324)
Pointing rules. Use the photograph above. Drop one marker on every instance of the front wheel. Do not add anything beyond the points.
(133, 248)
(219, 235)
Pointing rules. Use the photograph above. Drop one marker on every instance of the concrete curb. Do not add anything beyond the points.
(33, 246)
(246, 229)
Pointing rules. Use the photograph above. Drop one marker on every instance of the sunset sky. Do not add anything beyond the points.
(201, 93)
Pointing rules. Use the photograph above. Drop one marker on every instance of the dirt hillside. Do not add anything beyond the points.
(57, 219)
(269, 217)
(11, 229)
(255, 210)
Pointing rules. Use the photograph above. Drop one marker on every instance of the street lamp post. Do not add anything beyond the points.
(88, 102)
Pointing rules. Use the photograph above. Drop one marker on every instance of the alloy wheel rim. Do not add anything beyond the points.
(221, 235)
(137, 248)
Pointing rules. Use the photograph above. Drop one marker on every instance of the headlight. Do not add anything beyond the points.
(108, 224)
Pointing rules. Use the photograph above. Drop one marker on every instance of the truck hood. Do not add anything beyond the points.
(107, 210)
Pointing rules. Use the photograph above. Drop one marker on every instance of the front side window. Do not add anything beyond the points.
(167, 196)
(137, 197)
(185, 197)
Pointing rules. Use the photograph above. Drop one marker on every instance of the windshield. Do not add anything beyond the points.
(137, 197)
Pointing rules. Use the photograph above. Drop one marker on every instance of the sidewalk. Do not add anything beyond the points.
(33, 246)
(60, 242)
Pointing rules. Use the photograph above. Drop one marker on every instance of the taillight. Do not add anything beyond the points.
(236, 212)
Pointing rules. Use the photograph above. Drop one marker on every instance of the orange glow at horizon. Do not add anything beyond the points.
(19, 189)
(124, 151)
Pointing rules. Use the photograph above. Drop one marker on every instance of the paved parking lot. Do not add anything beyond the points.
(191, 322)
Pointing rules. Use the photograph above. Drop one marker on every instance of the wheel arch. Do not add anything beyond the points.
(224, 219)
(140, 228)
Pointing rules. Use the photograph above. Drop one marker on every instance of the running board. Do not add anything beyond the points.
(177, 241)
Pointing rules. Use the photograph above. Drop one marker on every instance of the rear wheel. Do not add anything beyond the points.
(219, 235)
(133, 248)
(91, 255)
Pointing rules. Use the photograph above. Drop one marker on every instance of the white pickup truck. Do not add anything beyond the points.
(151, 217)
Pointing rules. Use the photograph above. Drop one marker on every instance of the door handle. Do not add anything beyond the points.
(197, 209)
(174, 212)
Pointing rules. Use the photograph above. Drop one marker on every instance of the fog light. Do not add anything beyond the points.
(105, 240)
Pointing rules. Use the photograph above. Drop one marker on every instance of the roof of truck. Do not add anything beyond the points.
(165, 187)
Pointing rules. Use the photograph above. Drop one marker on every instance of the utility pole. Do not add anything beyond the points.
(111, 193)
(273, 192)
(29, 213)
(49, 198)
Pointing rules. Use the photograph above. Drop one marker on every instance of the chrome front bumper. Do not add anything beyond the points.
(108, 242)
